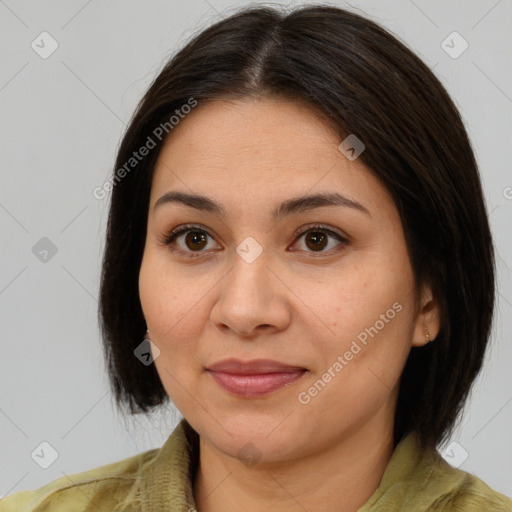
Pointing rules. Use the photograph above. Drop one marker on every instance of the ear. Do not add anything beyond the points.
(428, 319)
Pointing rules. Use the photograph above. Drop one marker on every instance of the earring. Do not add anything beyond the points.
(427, 336)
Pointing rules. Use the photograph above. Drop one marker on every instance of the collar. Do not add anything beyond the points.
(412, 477)
(166, 481)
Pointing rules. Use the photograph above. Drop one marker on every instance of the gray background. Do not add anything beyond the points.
(61, 121)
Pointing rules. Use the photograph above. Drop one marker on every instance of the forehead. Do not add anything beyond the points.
(260, 148)
(250, 127)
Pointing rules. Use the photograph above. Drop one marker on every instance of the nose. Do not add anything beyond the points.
(252, 299)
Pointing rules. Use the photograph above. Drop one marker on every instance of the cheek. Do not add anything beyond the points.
(174, 306)
(162, 310)
(372, 348)
(165, 310)
(169, 299)
(365, 315)
(343, 301)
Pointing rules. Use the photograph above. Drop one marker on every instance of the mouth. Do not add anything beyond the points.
(254, 378)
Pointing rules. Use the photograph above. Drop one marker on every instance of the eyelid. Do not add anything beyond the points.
(169, 235)
(321, 227)
(343, 240)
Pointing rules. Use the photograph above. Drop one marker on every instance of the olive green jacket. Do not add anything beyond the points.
(161, 480)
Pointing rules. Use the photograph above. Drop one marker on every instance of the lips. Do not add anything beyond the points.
(254, 378)
(253, 367)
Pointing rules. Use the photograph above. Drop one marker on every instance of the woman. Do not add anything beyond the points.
(302, 265)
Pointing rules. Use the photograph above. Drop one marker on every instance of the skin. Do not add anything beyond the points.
(296, 303)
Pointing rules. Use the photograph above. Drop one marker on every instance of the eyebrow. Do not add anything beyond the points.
(289, 207)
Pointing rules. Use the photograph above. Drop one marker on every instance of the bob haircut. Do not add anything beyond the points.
(362, 81)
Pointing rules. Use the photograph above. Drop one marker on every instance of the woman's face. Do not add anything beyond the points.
(325, 289)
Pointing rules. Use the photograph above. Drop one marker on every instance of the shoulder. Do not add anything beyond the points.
(112, 487)
(422, 480)
(153, 480)
(462, 491)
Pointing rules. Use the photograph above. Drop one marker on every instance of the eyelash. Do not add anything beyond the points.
(168, 237)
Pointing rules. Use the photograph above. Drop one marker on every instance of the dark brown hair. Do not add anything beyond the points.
(365, 82)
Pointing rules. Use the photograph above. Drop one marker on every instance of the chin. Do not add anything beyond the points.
(253, 435)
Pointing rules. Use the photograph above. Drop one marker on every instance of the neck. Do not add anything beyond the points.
(342, 477)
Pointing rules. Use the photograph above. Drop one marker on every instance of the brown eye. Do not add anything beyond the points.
(189, 240)
(196, 240)
(316, 240)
